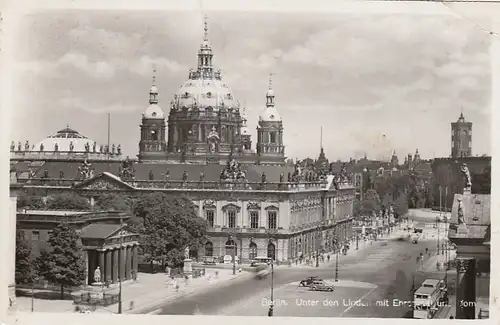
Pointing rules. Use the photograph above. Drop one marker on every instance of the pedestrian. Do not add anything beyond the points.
(328, 257)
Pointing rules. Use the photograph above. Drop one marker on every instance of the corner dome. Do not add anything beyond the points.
(270, 114)
(154, 111)
(64, 138)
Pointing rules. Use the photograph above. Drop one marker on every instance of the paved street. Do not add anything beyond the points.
(382, 271)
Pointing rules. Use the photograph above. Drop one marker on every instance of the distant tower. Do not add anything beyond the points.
(394, 159)
(270, 148)
(410, 161)
(246, 138)
(152, 144)
(416, 158)
(322, 160)
(461, 138)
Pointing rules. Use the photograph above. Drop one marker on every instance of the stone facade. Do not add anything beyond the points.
(279, 220)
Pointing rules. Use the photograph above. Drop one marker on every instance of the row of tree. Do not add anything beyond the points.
(166, 225)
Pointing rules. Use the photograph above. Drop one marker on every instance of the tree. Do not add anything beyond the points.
(30, 202)
(370, 203)
(25, 270)
(115, 202)
(64, 265)
(67, 201)
(169, 225)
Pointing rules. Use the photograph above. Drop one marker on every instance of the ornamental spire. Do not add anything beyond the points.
(206, 29)
(153, 92)
(270, 92)
(271, 81)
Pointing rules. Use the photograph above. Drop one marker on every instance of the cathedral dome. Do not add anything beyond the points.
(206, 94)
(64, 138)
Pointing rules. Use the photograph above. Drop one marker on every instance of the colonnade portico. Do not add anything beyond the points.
(115, 253)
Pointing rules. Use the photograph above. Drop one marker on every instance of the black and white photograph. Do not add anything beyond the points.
(273, 163)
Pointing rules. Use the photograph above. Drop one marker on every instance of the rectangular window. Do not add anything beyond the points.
(210, 216)
(231, 219)
(272, 137)
(272, 219)
(35, 235)
(254, 219)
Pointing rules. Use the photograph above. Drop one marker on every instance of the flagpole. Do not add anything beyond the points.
(120, 268)
(109, 138)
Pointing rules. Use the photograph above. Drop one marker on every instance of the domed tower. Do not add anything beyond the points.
(270, 148)
(246, 138)
(152, 144)
(461, 138)
(204, 121)
(394, 159)
(416, 158)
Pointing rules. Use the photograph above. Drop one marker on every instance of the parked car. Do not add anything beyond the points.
(209, 260)
(321, 286)
(307, 282)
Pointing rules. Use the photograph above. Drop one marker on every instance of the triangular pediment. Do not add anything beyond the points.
(123, 232)
(104, 181)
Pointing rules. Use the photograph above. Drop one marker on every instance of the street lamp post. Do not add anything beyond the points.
(120, 270)
(33, 294)
(357, 240)
(336, 262)
(234, 257)
(271, 305)
(317, 249)
(438, 218)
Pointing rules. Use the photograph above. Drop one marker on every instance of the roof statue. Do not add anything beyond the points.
(213, 138)
(461, 213)
(466, 176)
(233, 172)
(127, 171)
(85, 171)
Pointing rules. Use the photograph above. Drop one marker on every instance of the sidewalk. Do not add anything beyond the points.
(146, 294)
(352, 252)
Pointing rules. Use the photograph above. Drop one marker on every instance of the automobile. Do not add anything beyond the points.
(321, 286)
(307, 282)
(209, 260)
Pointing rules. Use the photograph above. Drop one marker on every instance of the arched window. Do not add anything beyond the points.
(209, 249)
(231, 247)
(154, 135)
(271, 251)
(253, 251)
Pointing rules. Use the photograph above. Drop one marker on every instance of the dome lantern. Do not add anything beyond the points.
(153, 111)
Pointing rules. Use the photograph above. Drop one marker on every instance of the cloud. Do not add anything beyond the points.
(143, 66)
(99, 69)
(80, 104)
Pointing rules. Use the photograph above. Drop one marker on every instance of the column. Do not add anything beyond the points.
(466, 288)
(128, 259)
(101, 264)
(115, 265)
(122, 263)
(135, 261)
(109, 266)
(86, 258)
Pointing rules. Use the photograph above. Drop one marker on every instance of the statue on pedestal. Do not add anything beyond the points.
(461, 213)
(213, 138)
(263, 177)
(202, 176)
(61, 174)
(184, 176)
(94, 146)
(19, 146)
(56, 147)
(87, 147)
(41, 146)
(167, 175)
(282, 178)
(113, 148)
(12, 146)
(151, 175)
(467, 179)
(289, 177)
(127, 172)
(119, 150)
(97, 275)
(27, 146)
(71, 146)
(85, 171)
(186, 253)
(101, 148)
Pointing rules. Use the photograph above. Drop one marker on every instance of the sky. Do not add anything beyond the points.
(374, 83)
